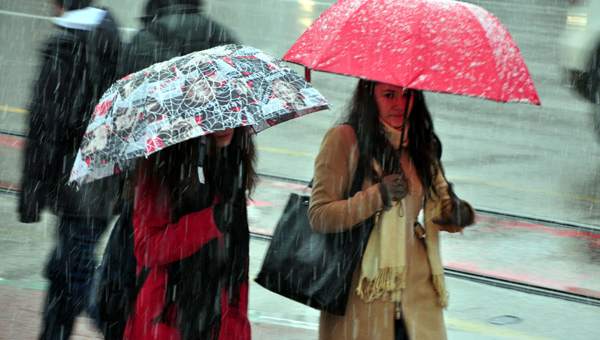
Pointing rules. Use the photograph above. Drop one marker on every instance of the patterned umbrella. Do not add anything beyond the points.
(187, 97)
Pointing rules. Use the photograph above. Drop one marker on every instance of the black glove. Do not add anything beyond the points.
(455, 212)
(29, 207)
(29, 213)
(393, 188)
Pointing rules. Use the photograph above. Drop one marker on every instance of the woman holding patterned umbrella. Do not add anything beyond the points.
(191, 233)
(193, 157)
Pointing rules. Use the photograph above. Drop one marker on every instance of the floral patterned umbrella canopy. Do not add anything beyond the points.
(187, 97)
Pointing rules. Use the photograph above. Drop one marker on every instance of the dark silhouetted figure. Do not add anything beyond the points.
(172, 28)
(78, 64)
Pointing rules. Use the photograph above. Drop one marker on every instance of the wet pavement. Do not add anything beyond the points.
(544, 254)
(498, 248)
(477, 311)
(527, 258)
(555, 260)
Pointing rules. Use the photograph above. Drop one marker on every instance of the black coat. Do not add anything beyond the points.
(173, 31)
(77, 67)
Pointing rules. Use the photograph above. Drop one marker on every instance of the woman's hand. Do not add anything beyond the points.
(456, 214)
(393, 188)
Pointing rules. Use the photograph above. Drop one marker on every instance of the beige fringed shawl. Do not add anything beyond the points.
(383, 274)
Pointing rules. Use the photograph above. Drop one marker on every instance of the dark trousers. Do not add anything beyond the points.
(69, 271)
(400, 330)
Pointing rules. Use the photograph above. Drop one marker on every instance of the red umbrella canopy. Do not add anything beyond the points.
(433, 45)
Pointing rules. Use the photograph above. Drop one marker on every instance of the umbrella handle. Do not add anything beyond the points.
(402, 135)
(307, 74)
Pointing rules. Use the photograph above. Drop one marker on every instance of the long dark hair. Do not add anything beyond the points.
(372, 143)
(195, 283)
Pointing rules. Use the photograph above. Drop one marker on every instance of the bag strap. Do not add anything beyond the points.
(359, 176)
(140, 278)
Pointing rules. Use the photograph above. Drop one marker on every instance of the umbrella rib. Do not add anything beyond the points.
(475, 17)
(341, 29)
(213, 93)
(183, 101)
(412, 56)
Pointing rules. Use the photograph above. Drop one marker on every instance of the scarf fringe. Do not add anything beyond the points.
(440, 288)
(388, 284)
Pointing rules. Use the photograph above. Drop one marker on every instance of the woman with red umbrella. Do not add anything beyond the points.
(418, 45)
(398, 290)
(191, 233)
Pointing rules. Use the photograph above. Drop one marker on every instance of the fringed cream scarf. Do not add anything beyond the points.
(383, 270)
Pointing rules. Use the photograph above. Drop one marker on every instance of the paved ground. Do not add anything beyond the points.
(547, 255)
(477, 311)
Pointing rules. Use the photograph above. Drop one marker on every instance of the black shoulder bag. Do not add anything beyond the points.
(309, 267)
(116, 283)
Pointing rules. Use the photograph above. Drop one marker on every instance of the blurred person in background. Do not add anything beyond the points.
(580, 53)
(172, 28)
(78, 64)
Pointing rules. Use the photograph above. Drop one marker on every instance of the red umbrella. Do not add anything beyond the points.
(432, 45)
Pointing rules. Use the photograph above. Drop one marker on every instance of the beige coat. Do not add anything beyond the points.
(330, 212)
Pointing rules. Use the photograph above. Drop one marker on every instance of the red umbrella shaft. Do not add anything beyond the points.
(402, 135)
(307, 74)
